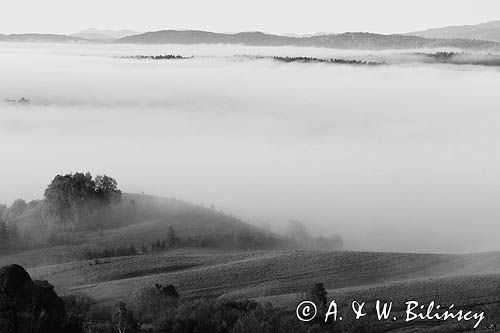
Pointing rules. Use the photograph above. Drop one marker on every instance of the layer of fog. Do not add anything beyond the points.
(401, 158)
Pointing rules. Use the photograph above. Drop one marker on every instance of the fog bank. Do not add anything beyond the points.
(398, 158)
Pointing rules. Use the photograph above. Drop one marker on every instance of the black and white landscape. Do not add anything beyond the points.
(186, 180)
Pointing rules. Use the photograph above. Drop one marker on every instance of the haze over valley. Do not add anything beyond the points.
(379, 154)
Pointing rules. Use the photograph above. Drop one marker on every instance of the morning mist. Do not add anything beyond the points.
(393, 158)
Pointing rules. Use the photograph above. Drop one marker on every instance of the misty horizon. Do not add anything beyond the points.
(226, 16)
(271, 32)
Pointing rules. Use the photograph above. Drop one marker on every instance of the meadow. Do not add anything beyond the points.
(280, 277)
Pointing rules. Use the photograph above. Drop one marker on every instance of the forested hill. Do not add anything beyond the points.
(140, 219)
(92, 215)
(489, 31)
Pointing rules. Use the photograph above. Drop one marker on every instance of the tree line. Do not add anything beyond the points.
(158, 57)
(170, 241)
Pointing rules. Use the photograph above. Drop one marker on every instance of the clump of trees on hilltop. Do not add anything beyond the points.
(77, 200)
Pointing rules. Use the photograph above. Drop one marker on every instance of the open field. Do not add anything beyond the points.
(254, 274)
(281, 277)
(471, 281)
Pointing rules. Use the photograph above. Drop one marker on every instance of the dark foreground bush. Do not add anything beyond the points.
(78, 311)
(28, 306)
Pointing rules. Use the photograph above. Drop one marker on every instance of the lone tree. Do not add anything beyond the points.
(123, 319)
(167, 290)
(76, 199)
(317, 294)
(172, 238)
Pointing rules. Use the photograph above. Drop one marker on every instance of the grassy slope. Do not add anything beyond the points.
(269, 273)
(468, 281)
(276, 276)
(469, 292)
(150, 221)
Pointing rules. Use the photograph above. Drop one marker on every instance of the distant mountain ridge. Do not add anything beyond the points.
(47, 38)
(206, 37)
(489, 31)
(348, 40)
(104, 35)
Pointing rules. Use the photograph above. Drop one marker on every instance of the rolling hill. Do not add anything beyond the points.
(489, 31)
(281, 277)
(137, 220)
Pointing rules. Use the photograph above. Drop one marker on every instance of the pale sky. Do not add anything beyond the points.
(276, 16)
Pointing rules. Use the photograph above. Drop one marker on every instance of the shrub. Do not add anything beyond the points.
(78, 313)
